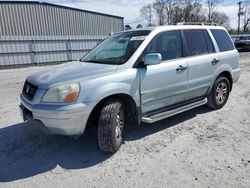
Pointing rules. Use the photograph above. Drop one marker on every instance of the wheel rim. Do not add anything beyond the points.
(221, 93)
(119, 125)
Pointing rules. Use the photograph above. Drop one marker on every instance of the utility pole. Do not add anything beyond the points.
(150, 15)
(239, 14)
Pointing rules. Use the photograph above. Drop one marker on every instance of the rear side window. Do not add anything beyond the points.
(223, 40)
(210, 45)
(197, 42)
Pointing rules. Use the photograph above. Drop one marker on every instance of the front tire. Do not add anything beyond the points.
(111, 126)
(219, 93)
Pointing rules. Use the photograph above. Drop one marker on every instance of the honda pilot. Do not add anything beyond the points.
(135, 76)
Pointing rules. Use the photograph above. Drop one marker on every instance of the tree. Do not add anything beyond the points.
(246, 17)
(212, 11)
(176, 14)
(173, 11)
(211, 5)
(246, 24)
(221, 18)
(214, 16)
(147, 12)
(159, 7)
(187, 11)
(139, 26)
(232, 31)
(169, 10)
(193, 11)
(165, 10)
(127, 27)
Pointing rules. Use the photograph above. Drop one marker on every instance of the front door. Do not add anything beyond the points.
(164, 84)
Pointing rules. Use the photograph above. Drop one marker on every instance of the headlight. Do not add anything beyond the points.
(66, 93)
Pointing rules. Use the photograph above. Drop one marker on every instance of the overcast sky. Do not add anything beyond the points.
(129, 9)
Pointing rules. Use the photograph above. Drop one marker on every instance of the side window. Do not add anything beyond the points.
(196, 42)
(223, 40)
(210, 45)
(168, 44)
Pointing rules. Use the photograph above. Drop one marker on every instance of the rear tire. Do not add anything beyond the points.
(111, 126)
(219, 93)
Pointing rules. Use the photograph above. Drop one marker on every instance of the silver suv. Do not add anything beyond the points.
(131, 77)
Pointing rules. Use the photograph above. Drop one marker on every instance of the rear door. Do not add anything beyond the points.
(202, 62)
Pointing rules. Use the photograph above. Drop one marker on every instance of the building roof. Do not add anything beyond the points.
(59, 6)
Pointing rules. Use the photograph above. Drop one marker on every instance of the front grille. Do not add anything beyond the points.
(29, 90)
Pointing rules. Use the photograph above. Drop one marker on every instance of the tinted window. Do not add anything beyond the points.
(210, 45)
(196, 42)
(168, 44)
(223, 40)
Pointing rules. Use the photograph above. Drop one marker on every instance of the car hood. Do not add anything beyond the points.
(68, 72)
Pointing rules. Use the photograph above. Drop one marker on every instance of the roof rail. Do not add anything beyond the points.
(196, 23)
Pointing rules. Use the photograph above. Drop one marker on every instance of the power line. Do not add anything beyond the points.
(135, 21)
(153, 14)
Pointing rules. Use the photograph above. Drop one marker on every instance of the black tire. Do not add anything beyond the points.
(111, 126)
(219, 93)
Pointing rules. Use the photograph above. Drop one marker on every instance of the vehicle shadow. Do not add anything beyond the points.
(25, 151)
(146, 129)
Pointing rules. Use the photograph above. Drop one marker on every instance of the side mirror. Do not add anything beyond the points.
(152, 59)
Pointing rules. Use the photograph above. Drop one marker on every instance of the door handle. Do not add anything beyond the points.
(215, 61)
(181, 68)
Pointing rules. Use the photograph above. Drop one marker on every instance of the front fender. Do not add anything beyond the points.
(121, 82)
(108, 90)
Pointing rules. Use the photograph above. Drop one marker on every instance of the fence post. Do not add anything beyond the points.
(33, 54)
(69, 50)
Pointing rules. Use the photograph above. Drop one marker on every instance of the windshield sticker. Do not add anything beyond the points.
(138, 38)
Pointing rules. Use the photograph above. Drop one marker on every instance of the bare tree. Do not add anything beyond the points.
(187, 11)
(169, 4)
(246, 16)
(212, 9)
(246, 24)
(193, 11)
(177, 12)
(173, 11)
(159, 7)
(147, 12)
(215, 16)
(211, 4)
(221, 18)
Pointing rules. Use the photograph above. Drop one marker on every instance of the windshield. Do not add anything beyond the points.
(116, 49)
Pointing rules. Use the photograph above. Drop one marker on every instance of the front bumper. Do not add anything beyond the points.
(59, 119)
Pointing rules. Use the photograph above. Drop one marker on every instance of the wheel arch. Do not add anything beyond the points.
(132, 112)
(228, 75)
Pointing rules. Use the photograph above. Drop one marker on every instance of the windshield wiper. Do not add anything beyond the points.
(101, 62)
(93, 61)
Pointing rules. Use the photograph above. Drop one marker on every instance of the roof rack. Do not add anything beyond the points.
(196, 23)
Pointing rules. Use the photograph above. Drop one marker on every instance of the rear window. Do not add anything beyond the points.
(223, 40)
(197, 42)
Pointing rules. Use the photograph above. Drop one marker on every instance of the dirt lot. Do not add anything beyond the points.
(198, 148)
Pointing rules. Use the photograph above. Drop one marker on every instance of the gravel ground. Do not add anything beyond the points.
(198, 148)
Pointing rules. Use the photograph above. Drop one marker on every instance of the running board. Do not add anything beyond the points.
(163, 115)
